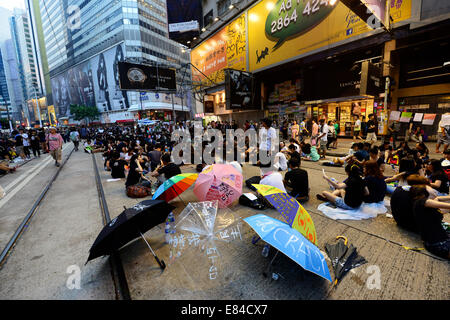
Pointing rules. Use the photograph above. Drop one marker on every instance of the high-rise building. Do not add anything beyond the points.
(13, 80)
(22, 39)
(86, 39)
(4, 95)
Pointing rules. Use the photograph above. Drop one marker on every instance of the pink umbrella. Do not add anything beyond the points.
(220, 182)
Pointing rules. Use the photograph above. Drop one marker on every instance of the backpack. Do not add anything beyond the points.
(138, 191)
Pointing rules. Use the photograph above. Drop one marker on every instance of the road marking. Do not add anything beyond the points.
(22, 176)
(24, 182)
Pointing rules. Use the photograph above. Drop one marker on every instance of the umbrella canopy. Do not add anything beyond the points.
(343, 258)
(202, 242)
(290, 209)
(129, 225)
(221, 182)
(290, 242)
(175, 186)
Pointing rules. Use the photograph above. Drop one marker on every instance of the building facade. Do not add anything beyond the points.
(84, 42)
(323, 61)
(5, 100)
(14, 82)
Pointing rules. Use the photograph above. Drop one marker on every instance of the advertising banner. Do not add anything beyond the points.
(239, 89)
(141, 77)
(286, 29)
(226, 49)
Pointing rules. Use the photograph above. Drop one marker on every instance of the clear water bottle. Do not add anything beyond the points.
(265, 251)
(171, 220)
(167, 232)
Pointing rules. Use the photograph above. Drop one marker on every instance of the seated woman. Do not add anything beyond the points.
(378, 157)
(296, 180)
(438, 178)
(402, 204)
(423, 152)
(136, 172)
(407, 167)
(348, 195)
(374, 180)
(309, 153)
(429, 219)
(116, 166)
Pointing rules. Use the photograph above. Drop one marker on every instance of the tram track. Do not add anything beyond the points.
(117, 272)
(9, 248)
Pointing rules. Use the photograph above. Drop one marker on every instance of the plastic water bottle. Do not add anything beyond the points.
(265, 251)
(331, 186)
(171, 220)
(167, 232)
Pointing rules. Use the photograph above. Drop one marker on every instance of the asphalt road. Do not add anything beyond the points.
(55, 246)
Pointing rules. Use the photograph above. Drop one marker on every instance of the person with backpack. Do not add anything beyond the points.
(75, 138)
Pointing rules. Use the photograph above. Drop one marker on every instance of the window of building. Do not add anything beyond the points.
(222, 6)
(209, 18)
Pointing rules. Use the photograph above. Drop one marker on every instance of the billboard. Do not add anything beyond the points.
(374, 12)
(184, 19)
(239, 89)
(226, 49)
(139, 77)
(92, 83)
(289, 29)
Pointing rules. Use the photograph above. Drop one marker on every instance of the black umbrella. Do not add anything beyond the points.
(343, 258)
(129, 225)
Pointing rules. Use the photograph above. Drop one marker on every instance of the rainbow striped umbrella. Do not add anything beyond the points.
(175, 186)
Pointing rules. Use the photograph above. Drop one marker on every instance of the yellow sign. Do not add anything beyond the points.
(52, 115)
(285, 29)
(226, 49)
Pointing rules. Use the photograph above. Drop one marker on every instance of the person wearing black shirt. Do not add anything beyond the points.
(19, 145)
(136, 172)
(168, 169)
(117, 166)
(429, 219)
(348, 195)
(438, 178)
(297, 180)
(371, 130)
(374, 182)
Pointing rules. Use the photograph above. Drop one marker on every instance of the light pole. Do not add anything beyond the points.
(9, 118)
(37, 106)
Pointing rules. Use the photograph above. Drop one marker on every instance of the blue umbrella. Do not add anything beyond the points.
(290, 242)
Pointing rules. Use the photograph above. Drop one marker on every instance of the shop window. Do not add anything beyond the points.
(209, 18)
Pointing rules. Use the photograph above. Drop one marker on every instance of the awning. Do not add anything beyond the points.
(125, 121)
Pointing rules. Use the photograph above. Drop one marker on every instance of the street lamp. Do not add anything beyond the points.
(37, 106)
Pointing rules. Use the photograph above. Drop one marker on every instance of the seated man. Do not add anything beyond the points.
(167, 170)
(297, 181)
(117, 166)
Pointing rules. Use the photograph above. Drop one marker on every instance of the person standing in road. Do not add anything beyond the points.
(18, 139)
(295, 128)
(35, 144)
(371, 130)
(394, 130)
(357, 129)
(55, 142)
(75, 138)
(42, 140)
(26, 144)
(323, 138)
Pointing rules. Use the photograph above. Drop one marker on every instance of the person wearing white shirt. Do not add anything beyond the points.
(268, 137)
(323, 138)
(271, 177)
(280, 162)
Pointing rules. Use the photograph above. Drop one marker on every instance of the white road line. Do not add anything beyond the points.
(22, 176)
(24, 182)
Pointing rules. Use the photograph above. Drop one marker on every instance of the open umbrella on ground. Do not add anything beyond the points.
(290, 242)
(129, 225)
(201, 243)
(220, 182)
(175, 186)
(343, 258)
(290, 209)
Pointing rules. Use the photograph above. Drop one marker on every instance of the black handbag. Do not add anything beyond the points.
(254, 204)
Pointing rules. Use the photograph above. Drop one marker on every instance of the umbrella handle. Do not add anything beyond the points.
(342, 237)
(160, 262)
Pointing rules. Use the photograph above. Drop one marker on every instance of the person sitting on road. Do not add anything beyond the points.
(438, 178)
(429, 218)
(309, 153)
(116, 166)
(374, 181)
(135, 174)
(402, 203)
(349, 195)
(407, 167)
(296, 180)
(166, 170)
